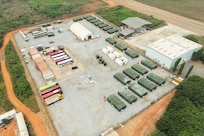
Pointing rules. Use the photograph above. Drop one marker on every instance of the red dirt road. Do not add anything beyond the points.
(36, 122)
(144, 123)
(183, 22)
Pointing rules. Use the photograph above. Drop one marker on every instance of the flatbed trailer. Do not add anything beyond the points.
(52, 99)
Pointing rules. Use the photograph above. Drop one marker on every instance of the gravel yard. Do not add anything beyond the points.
(83, 111)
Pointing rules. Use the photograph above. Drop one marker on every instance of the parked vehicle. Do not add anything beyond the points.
(50, 90)
(53, 99)
(43, 88)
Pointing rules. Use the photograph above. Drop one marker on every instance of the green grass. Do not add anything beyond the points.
(4, 102)
(119, 13)
(21, 86)
(189, 8)
(195, 38)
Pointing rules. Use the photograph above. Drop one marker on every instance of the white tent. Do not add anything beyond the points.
(81, 32)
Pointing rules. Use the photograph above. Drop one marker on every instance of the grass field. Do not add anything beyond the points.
(189, 8)
(119, 13)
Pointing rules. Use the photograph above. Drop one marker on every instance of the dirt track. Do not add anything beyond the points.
(39, 128)
(183, 22)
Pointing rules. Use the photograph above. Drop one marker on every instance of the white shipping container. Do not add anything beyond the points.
(117, 55)
(110, 49)
(119, 62)
(111, 55)
(104, 50)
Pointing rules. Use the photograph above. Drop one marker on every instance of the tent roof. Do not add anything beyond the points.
(135, 22)
(80, 31)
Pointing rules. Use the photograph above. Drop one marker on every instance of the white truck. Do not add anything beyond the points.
(53, 99)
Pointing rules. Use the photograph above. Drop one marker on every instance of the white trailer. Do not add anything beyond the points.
(24, 36)
(60, 57)
(53, 99)
(62, 63)
(57, 55)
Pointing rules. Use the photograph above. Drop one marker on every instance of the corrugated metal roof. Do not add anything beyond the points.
(135, 22)
(174, 46)
(127, 31)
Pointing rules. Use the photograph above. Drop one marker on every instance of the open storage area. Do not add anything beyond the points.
(86, 84)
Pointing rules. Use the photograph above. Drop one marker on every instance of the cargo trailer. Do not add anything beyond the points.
(57, 91)
(50, 90)
(43, 88)
(57, 52)
(53, 99)
(62, 63)
(57, 55)
(62, 59)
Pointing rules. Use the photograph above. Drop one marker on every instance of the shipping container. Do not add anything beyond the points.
(57, 55)
(62, 63)
(59, 60)
(52, 93)
(47, 86)
(50, 90)
(57, 52)
(53, 99)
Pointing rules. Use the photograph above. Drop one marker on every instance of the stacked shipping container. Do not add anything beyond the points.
(41, 65)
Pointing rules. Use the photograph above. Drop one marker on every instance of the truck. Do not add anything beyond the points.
(52, 99)
(52, 93)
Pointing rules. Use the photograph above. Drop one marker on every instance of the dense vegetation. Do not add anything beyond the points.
(21, 86)
(185, 113)
(199, 55)
(119, 13)
(187, 8)
(4, 102)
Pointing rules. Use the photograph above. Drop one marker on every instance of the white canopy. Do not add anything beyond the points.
(80, 31)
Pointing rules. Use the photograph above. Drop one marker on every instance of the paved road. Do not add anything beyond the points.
(186, 23)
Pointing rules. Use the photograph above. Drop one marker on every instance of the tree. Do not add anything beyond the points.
(181, 68)
(176, 64)
(196, 55)
(189, 71)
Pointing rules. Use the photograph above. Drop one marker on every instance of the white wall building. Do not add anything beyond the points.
(22, 128)
(168, 50)
(81, 32)
(8, 115)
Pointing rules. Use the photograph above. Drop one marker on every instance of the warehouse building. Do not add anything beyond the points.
(81, 32)
(168, 50)
(8, 115)
(133, 25)
(22, 128)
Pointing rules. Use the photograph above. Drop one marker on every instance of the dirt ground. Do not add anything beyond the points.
(8, 130)
(144, 123)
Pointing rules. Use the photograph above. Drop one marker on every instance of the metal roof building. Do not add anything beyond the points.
(135, 22)
(81, 32)
(8, 115)
(167, 50)
(22, 128)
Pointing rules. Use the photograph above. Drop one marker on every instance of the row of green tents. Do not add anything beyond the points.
(100, 24)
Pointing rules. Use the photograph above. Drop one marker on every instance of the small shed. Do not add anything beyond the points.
(81, 32)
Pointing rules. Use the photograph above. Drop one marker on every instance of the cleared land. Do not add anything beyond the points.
(83, 110)
(188, 8)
